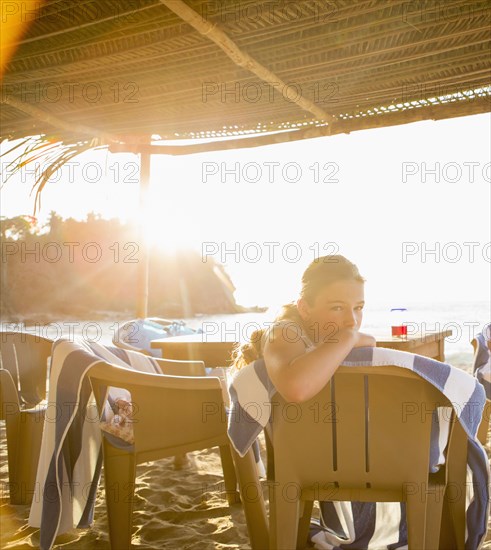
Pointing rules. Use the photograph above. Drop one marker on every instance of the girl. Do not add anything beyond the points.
(310, 338)
(302, 350)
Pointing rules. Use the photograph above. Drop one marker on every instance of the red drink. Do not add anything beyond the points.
(400, 331)
(398, 322)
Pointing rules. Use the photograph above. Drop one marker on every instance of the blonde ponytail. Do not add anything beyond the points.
(250, 351)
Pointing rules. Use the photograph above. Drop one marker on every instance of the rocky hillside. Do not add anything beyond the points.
(84, 268)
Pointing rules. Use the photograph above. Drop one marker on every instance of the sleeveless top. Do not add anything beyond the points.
(309, 345)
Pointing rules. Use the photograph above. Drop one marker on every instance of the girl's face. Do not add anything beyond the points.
(338, 305)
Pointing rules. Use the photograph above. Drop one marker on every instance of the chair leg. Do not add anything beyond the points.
(455, 499)
(14, 441)
(24, 433)
(180, 461)
(415, 514)
(455, 496)
(229, 475)
(119, 481)
(447, 537)
(252, 499)
(287, 508)
(434, 507)
(272, 492)
(304, 524)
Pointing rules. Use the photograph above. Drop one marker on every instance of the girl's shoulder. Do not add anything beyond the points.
(291, 331)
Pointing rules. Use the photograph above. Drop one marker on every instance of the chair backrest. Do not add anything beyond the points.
(368, 427)
(171, 414)
(25, 356)
(137, 334)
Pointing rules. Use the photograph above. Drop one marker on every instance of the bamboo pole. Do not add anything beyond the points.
(243, 59)
(341, 126)
(130, 143)
(144, 260)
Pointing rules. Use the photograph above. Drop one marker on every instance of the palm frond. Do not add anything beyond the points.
(53, 152)
(20, 144)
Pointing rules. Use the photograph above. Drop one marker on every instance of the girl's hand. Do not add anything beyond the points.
(363, 340)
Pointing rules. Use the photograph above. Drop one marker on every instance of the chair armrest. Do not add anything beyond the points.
(175, 367)
(9, 398)
(117, 376)
(196, 416)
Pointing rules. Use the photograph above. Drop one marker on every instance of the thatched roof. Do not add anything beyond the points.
(124, 70)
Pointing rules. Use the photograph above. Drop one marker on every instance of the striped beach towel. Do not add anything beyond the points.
(71, 459)
(368, 525)
(482, 360)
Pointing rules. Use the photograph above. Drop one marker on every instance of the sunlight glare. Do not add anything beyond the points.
(165, 234)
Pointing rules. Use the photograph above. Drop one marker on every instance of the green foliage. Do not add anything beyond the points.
(84, 268)
(17, 227)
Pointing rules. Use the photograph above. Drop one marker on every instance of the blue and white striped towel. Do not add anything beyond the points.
(71, 459)
(377, 525)
(482, 360)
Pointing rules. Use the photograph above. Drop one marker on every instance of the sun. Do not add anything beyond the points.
(167, 235)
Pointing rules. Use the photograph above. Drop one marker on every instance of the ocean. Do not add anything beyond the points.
(464, 319)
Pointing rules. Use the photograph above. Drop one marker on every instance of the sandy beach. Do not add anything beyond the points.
(175, 508)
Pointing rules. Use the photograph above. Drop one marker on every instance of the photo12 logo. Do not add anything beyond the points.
(450, 252)
(70, 251)
(270, 251)
(71, 92)
(269, 171)
(434, 92)
(270, 11)
(446, 172)
(69, 12)
(420, 12)
(253, 92)
(75, 172)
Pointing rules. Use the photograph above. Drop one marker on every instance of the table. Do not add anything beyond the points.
(430, 344)
(218, 353)
(197, 347)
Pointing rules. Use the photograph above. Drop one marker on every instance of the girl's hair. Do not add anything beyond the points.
(320, 273)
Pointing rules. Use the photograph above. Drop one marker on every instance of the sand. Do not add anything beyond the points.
(175, 508)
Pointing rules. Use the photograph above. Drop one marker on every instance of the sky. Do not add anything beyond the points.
(410, 205)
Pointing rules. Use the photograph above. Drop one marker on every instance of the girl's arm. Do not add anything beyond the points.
(297, 375)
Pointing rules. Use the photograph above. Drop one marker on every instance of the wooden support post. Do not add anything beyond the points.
(243, 59)
(144, 260)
